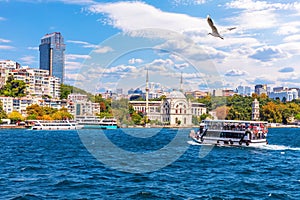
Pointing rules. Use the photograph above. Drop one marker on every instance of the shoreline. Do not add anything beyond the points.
(156, 126)
(12, 127)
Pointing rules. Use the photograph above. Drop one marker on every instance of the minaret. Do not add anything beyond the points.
(147, 95)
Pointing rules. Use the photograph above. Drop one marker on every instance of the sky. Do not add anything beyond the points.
(113, 44)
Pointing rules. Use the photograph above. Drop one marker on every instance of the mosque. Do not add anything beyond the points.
(174, 110)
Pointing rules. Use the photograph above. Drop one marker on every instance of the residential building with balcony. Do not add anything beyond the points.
(79, 105)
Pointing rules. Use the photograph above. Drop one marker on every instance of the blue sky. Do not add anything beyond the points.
(111, 44)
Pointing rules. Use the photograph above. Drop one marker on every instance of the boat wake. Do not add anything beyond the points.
(191, 142)
(265, 147)
(278, 147)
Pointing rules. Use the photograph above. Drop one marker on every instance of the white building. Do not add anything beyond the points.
(38, 82)
(154, 108)
(78, 105)
(16, 104)
(9, 64)
(5, 67)
(175, 109)
(284, 95)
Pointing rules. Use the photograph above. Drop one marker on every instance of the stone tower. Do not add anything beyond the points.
(255, 110)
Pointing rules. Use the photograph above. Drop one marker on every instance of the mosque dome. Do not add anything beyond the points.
(176, 95)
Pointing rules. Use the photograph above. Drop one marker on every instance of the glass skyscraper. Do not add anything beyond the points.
(52, 54)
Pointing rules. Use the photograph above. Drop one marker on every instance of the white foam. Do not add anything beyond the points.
(267, 147)
(191, 142)
(278, 147)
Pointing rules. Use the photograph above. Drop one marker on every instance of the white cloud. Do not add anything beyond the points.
(119, 70)
(160, 63)
(138, 15)
(102, 50)
(4, 40)
(268, 53)
(135, 61)
(6, 47)
(256, 19)
(74, 77)
(188, 2)
(181, 66)
(71, 66)
(84, 44)
(291, 47)
(33, 48)
(235, 72)
(266, 15)
(288, 28)
(2, 19)
(251, 5)
(28, 60)
(77, 56)
(292, 38)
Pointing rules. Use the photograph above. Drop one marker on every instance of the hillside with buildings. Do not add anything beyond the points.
(29, 93)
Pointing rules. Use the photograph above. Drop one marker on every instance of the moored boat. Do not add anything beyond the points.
(108, 123)
(94, 122)
(52, 125)
(88, 122)
(231, 133)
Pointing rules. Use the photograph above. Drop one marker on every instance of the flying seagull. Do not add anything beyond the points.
(214, 30)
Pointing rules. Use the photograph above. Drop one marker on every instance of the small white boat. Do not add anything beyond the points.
(231, 133)
(53, 125)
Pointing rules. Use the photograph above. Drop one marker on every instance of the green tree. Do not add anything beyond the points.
(136, 118)
(13, 88)
(240, 107)
(62, 114)
(2, 112)
(15, 116)
(34, 112)
(271, 113)
(65, 90)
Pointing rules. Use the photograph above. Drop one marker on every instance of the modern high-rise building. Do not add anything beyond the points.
(52, 54)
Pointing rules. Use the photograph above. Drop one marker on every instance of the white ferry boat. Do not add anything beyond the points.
(93, 122)
(108, 123)
(52, 125)
(231, 133)
(88, 121)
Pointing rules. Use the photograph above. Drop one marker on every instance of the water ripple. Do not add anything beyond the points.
(56, 165)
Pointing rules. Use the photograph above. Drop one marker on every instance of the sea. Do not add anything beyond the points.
(145, 163)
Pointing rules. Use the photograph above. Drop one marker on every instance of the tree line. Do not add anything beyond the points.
(238, 107)
(235, 107)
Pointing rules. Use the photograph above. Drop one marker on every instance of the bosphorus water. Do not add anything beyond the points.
(57, 165)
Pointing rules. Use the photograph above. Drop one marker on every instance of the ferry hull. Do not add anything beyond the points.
(227, 141)
(56, 128)
(222, 142)
(108, 127)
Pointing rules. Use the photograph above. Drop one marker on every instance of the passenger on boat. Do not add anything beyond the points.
(201, 129)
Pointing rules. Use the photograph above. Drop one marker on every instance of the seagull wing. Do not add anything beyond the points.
(212, 26)
(232, 28)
